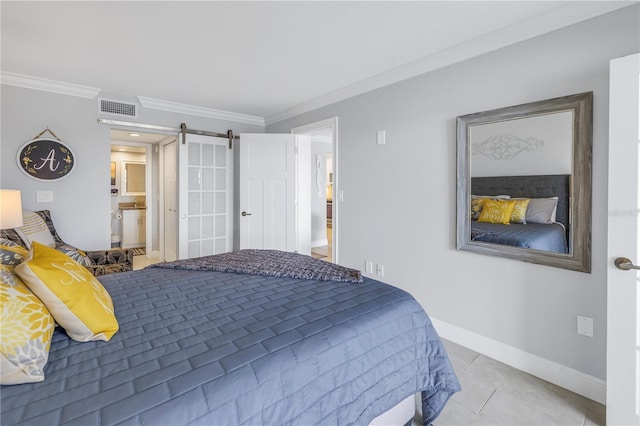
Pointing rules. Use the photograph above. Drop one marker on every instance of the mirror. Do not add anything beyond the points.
(133, 178)
(524, 182)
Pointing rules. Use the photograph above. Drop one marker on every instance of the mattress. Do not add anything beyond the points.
(537, 236)
(202, 347)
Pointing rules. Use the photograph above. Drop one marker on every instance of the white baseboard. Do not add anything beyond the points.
(576, 381)
(319, 243)
(154, 254)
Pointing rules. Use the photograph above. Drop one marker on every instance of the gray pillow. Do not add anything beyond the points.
(542, 210)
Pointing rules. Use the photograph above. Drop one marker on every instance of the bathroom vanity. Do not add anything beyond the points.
(134, 227)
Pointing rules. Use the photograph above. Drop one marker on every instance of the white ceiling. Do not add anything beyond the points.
(263, 59)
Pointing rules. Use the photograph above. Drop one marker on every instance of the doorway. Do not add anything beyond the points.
(324, 180)
(135, 216)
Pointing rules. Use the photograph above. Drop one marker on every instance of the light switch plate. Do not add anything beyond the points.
(44, 196)
(382, 137)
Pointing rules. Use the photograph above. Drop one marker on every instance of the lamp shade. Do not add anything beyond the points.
(10, 209)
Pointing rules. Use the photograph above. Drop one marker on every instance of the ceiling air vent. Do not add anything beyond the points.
(118, 108)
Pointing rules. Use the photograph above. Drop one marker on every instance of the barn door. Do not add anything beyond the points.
(205, 196)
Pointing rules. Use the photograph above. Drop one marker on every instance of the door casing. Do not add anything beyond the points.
(338, 197)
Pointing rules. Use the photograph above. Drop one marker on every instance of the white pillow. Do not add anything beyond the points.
(542, 210)
(35, 229)
(493, 197)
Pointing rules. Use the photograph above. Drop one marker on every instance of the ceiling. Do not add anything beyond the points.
(266, 60)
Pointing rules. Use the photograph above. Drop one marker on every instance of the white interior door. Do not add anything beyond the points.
(205, 198)
(623, 328)
(170, 207)
(267, 191)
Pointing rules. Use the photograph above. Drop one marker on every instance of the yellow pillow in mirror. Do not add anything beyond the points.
(497, 211)
(27, 327)
(520, 211)
(75, 298)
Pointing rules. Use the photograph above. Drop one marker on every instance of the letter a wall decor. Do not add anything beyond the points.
(45, 158)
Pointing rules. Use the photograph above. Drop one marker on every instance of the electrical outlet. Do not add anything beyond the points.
(368, 266)
(380, 270)
(585, 326)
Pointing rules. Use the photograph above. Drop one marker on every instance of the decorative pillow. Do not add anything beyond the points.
(11, 253)
(542, 210)
(476, 207)
(75, 298)
(35, 229)
(492, 197)
(477, 201)
(520, 211)
(27, 327)
(497, 211)
(74, 253)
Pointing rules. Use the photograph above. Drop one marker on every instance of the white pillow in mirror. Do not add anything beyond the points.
(542, 210)
(493, 197)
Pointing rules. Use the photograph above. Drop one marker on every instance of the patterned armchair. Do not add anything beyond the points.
(98, 262)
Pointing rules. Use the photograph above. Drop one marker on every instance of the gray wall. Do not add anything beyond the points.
(82, 201)
(399, 205)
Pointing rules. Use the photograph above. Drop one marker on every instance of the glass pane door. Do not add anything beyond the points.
(207, 191)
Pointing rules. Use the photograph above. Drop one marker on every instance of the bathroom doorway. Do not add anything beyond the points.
(135, 218)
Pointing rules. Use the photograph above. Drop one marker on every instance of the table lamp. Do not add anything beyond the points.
(10, 209)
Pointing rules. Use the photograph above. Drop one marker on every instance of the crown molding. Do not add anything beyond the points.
(46, 85)
(63, 88)
(565, 15)
(200, 111)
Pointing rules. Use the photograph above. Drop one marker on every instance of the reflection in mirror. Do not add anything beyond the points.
(524, 182)
(133, 178)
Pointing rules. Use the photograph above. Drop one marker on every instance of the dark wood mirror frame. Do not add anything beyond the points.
(579, 204)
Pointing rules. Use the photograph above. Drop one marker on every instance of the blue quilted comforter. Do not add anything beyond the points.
(537, 236)
(199, 347)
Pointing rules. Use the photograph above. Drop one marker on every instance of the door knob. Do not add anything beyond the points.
(625, 264)
(245, 214)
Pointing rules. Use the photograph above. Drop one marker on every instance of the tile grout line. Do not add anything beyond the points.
(471, 362)
(485, 403)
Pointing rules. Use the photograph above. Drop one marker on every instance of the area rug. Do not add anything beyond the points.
(139, 251)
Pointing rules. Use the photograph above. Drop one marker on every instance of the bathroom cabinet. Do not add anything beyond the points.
(134, 228)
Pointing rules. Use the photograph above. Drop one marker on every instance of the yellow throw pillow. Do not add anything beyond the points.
(25, 334)
(75, 298)
(497, 211)
(520, 211)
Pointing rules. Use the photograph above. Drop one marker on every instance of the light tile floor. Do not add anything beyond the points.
(496, 394)
(140, 262)
(324, 252)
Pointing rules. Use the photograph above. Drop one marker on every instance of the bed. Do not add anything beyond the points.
(551, 236)
(211, 345)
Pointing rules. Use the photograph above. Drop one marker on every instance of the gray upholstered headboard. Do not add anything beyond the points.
(536, 186)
